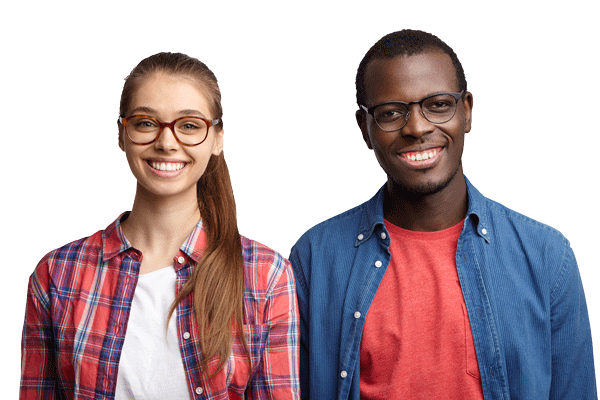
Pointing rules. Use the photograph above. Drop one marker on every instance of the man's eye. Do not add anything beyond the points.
(390, 115)
(438, 105)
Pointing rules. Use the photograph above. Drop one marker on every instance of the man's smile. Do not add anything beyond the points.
(422, 159)
(421, 155)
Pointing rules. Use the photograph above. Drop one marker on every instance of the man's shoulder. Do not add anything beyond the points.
(506, 220)
(340, 226)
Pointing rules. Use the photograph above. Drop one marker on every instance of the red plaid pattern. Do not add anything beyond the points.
(78, 304)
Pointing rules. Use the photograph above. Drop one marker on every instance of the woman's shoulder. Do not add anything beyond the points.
(76, 250)
(264, 266)
(59, 267)
(85, 252)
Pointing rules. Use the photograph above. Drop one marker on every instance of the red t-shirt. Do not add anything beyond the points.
(417, 341)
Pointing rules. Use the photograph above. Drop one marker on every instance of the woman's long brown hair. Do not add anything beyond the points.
(217, 282)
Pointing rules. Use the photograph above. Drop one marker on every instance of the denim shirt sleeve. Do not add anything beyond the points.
(526, 306)
(572, 359)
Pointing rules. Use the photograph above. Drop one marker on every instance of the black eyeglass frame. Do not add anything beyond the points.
(371, 110)
(162, 125)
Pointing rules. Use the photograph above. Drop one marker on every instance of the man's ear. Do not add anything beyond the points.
(361, 119)
(468, 103)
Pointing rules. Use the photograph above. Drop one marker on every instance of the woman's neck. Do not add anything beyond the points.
(157, 226)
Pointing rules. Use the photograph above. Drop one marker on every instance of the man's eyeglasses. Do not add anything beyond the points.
(188, 131)
(393, 115)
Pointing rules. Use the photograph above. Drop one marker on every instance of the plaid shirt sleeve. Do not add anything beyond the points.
(275, 374)
(38, 370)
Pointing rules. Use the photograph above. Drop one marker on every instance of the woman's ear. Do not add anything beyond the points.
(218, 144)
(121, 143)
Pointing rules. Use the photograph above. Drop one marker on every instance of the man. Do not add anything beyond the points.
(430, 290)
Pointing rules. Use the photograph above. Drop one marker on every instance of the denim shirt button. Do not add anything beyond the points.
(343, 374)
(361, 236)
(484, 231)
(378, 264)
(357, 315)
(383, 235)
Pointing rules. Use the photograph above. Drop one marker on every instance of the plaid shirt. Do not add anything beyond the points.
(78, 304)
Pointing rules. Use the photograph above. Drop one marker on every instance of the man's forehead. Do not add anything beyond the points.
(430, 70)
(431, 58)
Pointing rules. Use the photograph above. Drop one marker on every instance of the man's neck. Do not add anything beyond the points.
(426, 212)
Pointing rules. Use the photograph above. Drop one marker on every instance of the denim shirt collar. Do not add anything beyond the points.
(477, 211)
(372, 215)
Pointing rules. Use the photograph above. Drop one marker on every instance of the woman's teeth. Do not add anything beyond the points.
(166, 166)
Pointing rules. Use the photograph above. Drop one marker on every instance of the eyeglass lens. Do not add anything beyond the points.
(436, 109)
(189, 130)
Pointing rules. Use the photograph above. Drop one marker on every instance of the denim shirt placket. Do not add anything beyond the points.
(483, 324)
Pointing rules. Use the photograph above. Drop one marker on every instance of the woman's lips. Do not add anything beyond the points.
(166, 166)
(166, 169)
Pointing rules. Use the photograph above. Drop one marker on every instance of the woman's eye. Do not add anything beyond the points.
(145, 124)
(189, 126)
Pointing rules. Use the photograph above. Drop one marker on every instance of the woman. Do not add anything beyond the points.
(169, 301)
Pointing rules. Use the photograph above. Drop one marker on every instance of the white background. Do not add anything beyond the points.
(295, 153)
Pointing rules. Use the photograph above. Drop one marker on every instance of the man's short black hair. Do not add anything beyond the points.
(406, 42)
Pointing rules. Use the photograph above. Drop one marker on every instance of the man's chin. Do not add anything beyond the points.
(428, 187)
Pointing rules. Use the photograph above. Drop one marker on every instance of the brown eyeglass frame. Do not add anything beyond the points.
(162, 125)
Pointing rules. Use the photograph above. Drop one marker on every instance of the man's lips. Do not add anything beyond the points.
(422, 159)
(421, 155)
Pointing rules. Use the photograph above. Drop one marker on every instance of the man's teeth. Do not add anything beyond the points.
(162, 166)
(422, 156)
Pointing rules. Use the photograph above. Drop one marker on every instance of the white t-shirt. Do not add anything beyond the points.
(151, 366)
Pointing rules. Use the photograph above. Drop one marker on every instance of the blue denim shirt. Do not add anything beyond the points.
(521, 286)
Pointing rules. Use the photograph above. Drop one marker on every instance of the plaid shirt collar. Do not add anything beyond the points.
(114, 241)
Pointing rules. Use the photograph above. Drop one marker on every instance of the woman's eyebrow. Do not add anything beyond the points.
(146, 110)
(191, 112)
(151, 111)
